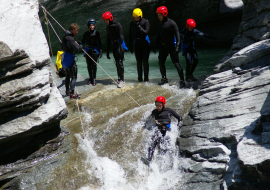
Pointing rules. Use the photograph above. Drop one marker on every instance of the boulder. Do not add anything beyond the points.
(31, 106)
(229, 123)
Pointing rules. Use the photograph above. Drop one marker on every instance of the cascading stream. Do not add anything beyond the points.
(114, 144)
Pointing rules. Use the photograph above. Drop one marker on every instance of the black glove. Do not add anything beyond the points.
(131, 50)
(100, 53)
(119, 48)
(179, 122)
(81, 47)
(108, 57)
(79, 42)
(154, 50)
(176, 49)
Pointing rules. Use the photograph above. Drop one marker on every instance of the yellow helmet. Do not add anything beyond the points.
(137, 12)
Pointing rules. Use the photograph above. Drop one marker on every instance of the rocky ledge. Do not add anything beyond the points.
(253, 28)
(226, 134)
(31, 107)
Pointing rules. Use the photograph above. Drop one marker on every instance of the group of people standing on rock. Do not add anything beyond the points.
(168, 41)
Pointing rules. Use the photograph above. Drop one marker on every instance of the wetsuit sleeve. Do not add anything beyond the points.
(197, 32)
(73, 44)
(176, 34)
(147, 27)
(148, 120)
(121, 35)
(84, 36)
(158, 38)
(131, 35)
(182, 33)
(108, 41)
(176, 115)
(99, 40)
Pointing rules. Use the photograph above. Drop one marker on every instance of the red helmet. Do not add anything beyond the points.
(161, 99)
(190, 23)
(107, 15)
(162, 10)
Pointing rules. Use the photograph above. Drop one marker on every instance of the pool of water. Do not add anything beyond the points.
(208, 58)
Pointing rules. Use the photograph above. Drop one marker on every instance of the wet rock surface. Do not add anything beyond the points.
(229, 123)
(253, 28)
(31, 107)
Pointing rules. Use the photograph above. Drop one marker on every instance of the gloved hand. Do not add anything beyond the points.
(154, 50)
(119, 48)
(176, 49)
(79, 42)
(131, 50)
(100, 53)
(81, 47)
(108, 57)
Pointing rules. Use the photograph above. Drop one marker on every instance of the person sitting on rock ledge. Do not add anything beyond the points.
(188, 48)
(70, 46)
(162, 117)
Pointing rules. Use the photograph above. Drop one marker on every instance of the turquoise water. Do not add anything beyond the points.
(208, 58)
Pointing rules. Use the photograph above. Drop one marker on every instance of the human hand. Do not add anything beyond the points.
(100, 53)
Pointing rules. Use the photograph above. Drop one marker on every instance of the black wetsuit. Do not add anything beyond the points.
(115, 36)
(188, 49)
(138, 32)
(69, 45)
(92, 40)
(163, 117)
(168, 30)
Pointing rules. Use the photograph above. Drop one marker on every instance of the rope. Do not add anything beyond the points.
(53, 18)
(55, 31)
(47, 20)
(80, 116)
(96, 62)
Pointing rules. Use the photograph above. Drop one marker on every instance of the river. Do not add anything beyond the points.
(110, 135)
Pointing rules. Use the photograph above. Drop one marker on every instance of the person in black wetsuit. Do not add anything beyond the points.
(93, 47)
(162, 117)
(70, 46)
(116, 37)
(168, 36)
(138, 31)
(188, 35)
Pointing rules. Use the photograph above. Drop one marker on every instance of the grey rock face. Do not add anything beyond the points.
(253, 28)
(229, 124)
(31, 107)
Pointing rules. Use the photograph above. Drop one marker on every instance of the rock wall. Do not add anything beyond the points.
(226, 135)
(219, 18)
(31, 106)
(253, 28)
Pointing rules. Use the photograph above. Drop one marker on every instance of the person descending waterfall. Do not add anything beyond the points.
(162, 117)
(116, 37)
(168, 36)
(188, 48)
(138, 31)
(70, 46)
(93, 47)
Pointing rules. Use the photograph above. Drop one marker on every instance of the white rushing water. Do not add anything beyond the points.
(127, 171)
